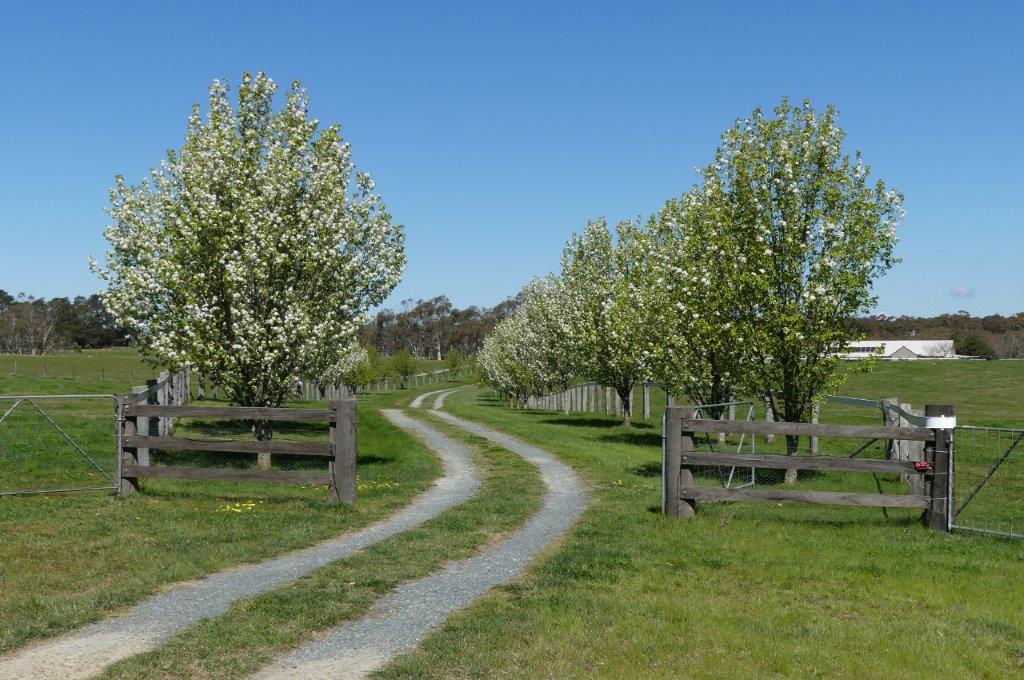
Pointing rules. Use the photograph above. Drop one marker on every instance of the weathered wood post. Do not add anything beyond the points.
(129, 427)
(912, 450)
(647, 401)
(815, 413)
(723, 415)
(675, 446)
(140, 395)
(342, 466)
(567, 401)
(891, 418)
(938, 452)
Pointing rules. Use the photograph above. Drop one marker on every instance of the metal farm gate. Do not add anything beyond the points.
(53, 443)
(988, 482)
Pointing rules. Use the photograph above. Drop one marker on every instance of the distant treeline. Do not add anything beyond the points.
(430, 329)
(30, 325)
(993, 336)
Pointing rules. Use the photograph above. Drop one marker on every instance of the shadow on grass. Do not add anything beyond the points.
(634, 438)
(595, 422)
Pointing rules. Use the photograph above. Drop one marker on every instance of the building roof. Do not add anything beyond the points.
(935, 349)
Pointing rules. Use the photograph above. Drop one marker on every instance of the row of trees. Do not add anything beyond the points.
(30, 325)
(746, 284)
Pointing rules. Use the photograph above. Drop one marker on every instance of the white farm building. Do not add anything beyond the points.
(901, 349)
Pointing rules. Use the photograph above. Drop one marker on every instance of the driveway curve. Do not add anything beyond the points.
(88, 650)
(400, 620)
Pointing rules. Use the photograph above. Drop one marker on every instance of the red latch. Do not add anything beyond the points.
(922, 466)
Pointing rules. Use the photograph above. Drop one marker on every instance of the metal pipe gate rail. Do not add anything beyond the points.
(10, 403)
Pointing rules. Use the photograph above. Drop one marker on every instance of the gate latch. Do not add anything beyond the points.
(922, 466)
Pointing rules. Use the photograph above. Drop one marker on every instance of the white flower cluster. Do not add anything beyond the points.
(245, 254)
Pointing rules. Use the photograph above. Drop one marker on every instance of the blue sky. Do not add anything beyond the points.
(496, 130)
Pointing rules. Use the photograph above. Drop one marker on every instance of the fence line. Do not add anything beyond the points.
(592, 397)
(340, 453)
(681, 493)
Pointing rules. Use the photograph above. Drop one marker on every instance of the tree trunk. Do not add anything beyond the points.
(627, 406)
(264, 433)
(792, 445)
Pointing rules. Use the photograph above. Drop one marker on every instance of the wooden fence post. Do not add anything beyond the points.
(910, 450)
(721, 435)
(151, 426)
(129, 427)
(815, 413)
(671, 462)
(161, 399)
(891, 418)
(343, 446)
(938, 453)
(140, 395)
(674, 473)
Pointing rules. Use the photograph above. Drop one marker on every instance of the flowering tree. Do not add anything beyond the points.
(807, 235)
(695, 345)
(608, 305)
(545, 311)
(509, 361)
(245, 254)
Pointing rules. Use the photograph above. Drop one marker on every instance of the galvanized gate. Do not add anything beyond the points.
(988, 487)
(58, 443)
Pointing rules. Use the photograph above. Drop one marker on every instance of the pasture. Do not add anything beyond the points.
(741, 590)
(115, 551)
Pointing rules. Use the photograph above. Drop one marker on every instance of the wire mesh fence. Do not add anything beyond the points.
(57, 443)
(730, 477)
(988, 485)
(842, 411)
(244, 430)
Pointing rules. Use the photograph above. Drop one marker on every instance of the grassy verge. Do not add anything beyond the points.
(742, 590)
(254, 631)
(66, 560)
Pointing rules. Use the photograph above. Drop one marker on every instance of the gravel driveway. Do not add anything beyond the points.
(88, 650)
(398, 621)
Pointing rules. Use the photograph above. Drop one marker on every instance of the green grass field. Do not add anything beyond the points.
(69, 559)
(742, 590)
(252, 632)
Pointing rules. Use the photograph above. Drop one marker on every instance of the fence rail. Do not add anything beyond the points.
(681, 492)
(340, 453)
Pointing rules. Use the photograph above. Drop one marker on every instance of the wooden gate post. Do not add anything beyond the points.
(891, 418)
(938, 453)
(342, 467)
(128, 455)
(140, 395)
(674, 447)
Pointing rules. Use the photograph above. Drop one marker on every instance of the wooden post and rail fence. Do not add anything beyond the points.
(339, 452)
(931, 488)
